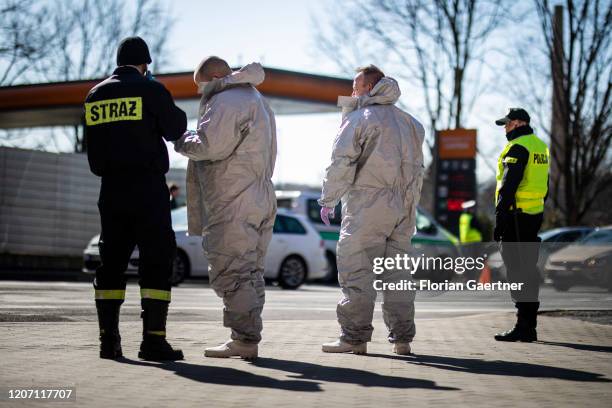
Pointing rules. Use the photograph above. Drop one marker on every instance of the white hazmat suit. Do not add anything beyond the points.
(230, 196)
(377, 171)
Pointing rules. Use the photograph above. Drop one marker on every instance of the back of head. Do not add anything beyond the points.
(133, 51)
(371, 74)
(210, 68)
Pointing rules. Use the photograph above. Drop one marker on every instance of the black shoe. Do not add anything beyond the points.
(156, 348)
(518, 334)
(110, 347)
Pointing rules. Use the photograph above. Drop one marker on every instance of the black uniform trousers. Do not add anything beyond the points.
(135, 211)
(519, 250)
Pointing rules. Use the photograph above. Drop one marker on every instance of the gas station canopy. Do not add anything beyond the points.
(61, 103)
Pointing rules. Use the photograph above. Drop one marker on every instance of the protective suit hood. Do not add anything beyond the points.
(385, 92)
(251, 74)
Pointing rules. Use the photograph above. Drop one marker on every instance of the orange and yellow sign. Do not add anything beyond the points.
(457, 144)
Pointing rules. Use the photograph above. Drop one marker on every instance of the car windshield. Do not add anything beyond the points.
(599, 237)
(548, 235)
(179, 218)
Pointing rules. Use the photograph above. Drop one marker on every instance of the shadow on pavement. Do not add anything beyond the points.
(318, 372)
(226, 376)
(578, 346)
(498, 367)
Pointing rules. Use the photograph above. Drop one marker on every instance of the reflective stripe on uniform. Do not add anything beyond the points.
(528, 194)
(110, 294)
(155, 294)
(156, 332)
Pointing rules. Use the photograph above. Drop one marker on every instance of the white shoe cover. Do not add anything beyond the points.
(339, 346)
(233, 348)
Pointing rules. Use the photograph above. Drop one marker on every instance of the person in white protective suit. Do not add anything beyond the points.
(377, 171)
(230, 196)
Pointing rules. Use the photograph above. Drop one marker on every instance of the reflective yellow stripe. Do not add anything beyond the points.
(155, 294)
(526, 204)
(528, 194)
(510, 160)
(530, 206)
(156, 333)
(110, 294)
(113, 110)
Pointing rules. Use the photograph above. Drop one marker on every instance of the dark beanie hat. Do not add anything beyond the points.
(133, 51)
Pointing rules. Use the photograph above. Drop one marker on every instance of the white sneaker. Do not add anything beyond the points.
(403, 349)
(339, 346)
(232, 348)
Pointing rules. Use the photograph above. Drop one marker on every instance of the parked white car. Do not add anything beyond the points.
(296, 252)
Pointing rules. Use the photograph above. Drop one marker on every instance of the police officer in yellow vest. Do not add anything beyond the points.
(469, 227)
(522, 187)
(470, 234)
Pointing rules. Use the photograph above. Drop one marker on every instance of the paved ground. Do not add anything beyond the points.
(456, 361)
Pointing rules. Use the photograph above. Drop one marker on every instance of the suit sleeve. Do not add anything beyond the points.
(170, 119)
(514, 163)
(340, 174)
(218, 135)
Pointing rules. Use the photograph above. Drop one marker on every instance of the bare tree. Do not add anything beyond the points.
(91, 30)
(24, 35)
(581, 134)
(436, 44)
(82, 41)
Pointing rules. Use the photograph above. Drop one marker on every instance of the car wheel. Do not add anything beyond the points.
(180, 268)
(332, 276)
(561, 285)
(292, 272)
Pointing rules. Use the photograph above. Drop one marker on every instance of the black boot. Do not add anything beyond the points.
(154, 346)
(108, 320)
(525, 328)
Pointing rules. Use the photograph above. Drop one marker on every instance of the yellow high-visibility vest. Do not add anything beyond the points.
(534, 185)
(467, 234)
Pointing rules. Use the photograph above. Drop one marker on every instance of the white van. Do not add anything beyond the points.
(431, 239)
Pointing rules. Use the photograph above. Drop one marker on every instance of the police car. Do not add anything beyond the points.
(430, 240)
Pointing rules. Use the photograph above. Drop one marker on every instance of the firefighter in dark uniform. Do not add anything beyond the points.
(127, 118)
(522, 188)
